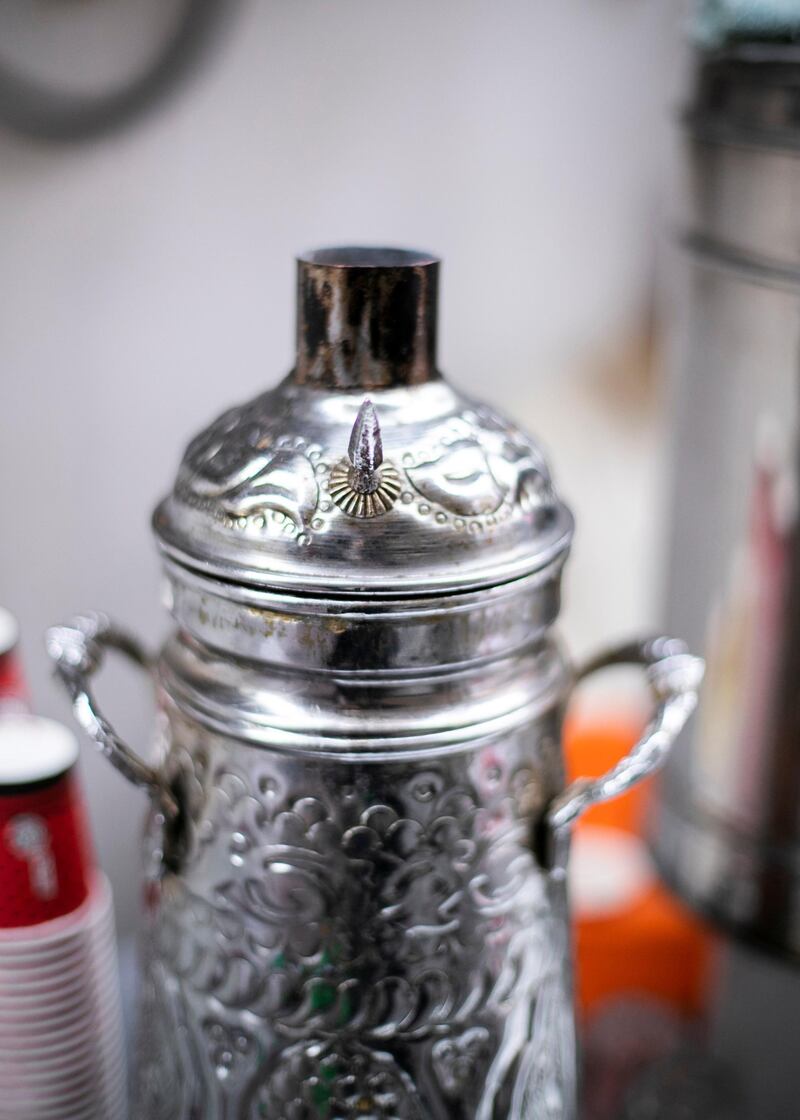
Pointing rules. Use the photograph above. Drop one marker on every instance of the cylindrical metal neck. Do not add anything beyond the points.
(366, 318)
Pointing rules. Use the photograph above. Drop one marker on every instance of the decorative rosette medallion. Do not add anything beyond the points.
(361, 484)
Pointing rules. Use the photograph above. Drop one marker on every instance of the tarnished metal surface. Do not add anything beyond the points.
(257, 500)
(359, 907)
(366, 318)
(373, 931)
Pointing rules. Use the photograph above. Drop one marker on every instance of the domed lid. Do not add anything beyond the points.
(364, 470)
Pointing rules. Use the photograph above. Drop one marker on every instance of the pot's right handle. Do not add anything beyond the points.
(77, 650)
(675, 676)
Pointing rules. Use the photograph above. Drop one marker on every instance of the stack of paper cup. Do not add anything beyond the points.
(61, 1049)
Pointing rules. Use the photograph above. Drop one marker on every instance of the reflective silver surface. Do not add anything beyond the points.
(356, 900)
(355, 937)
(729, 833)
(257, 500)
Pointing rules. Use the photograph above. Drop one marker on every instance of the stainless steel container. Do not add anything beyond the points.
(356, 850)
(729, 832)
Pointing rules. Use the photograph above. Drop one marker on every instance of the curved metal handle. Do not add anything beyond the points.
(77, 650)
(675, 676)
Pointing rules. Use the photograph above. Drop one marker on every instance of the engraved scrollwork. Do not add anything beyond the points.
(481, 468)
(516, 462)
(283, 483)
(459, 478)
(230, 1048)
(242, 471)
(457, 1060)
(222, 454)
(359, 932)
(473, 470)
(321, 1079)
(419, 888)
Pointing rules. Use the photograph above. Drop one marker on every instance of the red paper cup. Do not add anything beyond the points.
(13, 691)
(46, 857)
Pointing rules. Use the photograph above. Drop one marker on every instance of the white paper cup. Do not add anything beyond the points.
(61, 1045)
(109, 1107)
(59, 1070)
(44, 953)
(30, 979)
(39, 1043)
(92, 1102)
(45, 1047)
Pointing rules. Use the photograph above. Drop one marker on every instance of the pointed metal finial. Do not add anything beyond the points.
(362, 484)
(365, 450)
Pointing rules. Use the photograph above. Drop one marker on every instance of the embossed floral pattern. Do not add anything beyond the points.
(249, 469)
(322, 1080)
(397, 921)
(228, 1047)
(283, 482)
(457, 1060)
(459, 478)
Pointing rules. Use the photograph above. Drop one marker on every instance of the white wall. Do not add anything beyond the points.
(146, 282)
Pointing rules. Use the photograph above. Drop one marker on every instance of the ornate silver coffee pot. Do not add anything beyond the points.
(359, 823)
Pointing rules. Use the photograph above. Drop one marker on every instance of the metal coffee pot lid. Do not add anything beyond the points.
(364, 470)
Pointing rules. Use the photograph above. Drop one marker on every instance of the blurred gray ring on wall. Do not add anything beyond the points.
(32, 109)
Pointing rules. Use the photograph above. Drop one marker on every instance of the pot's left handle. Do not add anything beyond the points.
(78, 650)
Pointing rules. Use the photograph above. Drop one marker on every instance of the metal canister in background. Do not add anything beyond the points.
(729, 833)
